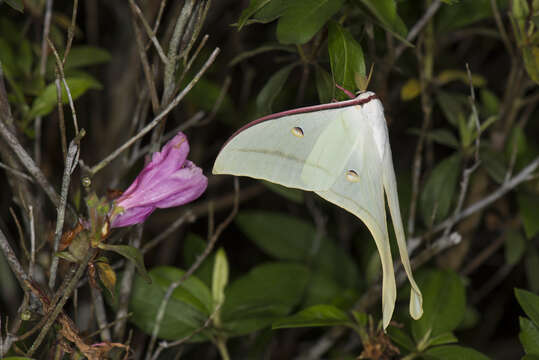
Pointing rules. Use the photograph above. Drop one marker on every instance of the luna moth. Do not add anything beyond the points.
(341, 152)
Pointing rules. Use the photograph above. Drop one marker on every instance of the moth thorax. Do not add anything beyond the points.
(352, 176)
(297, 131)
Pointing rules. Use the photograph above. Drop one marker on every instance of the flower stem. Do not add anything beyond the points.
(221, 346)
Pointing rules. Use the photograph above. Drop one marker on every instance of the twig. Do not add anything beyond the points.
(71, 30)
(149, 32)
(70, 166)
(211, 243)
(16, 172)
(100, 314)
(135, 240)
(187, 217)
(165, 345)
(28, 163)
(51, 318)
(32, 241)
(419, 25)
(13, 262)
(20, 231)
(60, 68)
(503, 33)
(96, 168)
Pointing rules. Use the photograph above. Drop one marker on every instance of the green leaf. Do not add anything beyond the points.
(385, 11)
(530, 303)
(455, 352)
(439, 190)
(318, 315)
(19, 6)
(444, 303)
(260, 50)
(131, 253)
(493, 163)
(275, 9)
(529, 336)
(188, 308)
(442, 339)
(220, 277)
(288, 238)
(206, 93)
(304, 18)
(464, 13)
(490, 102)
(322, 289)
(401, 338)
(441, 136)
(528, 205)
(530, 357)
(81, 56)
(453, 106)
(253, 7)
(346, 57)
(47, 101)
(324, 85)
(532, 268)
(273, 87)
(530, 54)
(193, 247)
(265, 294)
(515, 246)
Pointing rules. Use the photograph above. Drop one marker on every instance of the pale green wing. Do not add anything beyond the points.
(363, 196)
(390, 184)
(333, 148)
(277, 150)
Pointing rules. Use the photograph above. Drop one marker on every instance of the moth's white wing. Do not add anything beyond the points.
(273, 151)
(365, 199)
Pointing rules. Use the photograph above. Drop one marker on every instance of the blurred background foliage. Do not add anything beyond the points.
(458, 79)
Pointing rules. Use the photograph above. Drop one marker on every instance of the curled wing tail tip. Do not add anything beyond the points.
(416, 304)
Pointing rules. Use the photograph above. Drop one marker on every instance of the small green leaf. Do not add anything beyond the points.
(465, 13)
(304, 18)
(410, 90)
(441, 136)
(81, 56)
(265, 294)
(444, 303)
(275, 9)
(19, 6)
(220, 277)
(528, 205)
(131, 253)
(453, 106)
(261, 50)
(493, 163)
(530, 303)
(401, 338)
(455, 352)
(47, 100)
(529, 336)
(294, 195)
(439, 190)
(443, 339)
(273, 87)
(385, 11)
(194, 246)
(253, 7)
(66, 255)
(346, 57)
(288, 238)
(188, 308)
(324, 85)
(361, 318)
(490, 102)
(530, 54)
(106, 275)
(318, 315)
(450, 75)
(515, 246)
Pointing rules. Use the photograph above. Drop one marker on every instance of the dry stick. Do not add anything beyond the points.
(28, 163)
(165, 345)
(126, 286)
(419, 25)
(32, 241)
(20, 231)
(149, 32)
(16, 172)
(71, 30)
(51, 318)
(211, 243)
(145, 64)
(155, 121)
(60, 68)
(13, 262)
(501, 28)
(100, 314)
(42, 69)
(61, 119)
(158, 19)
(70, 166)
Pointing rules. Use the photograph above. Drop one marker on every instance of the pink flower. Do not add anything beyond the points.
(168, 180)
